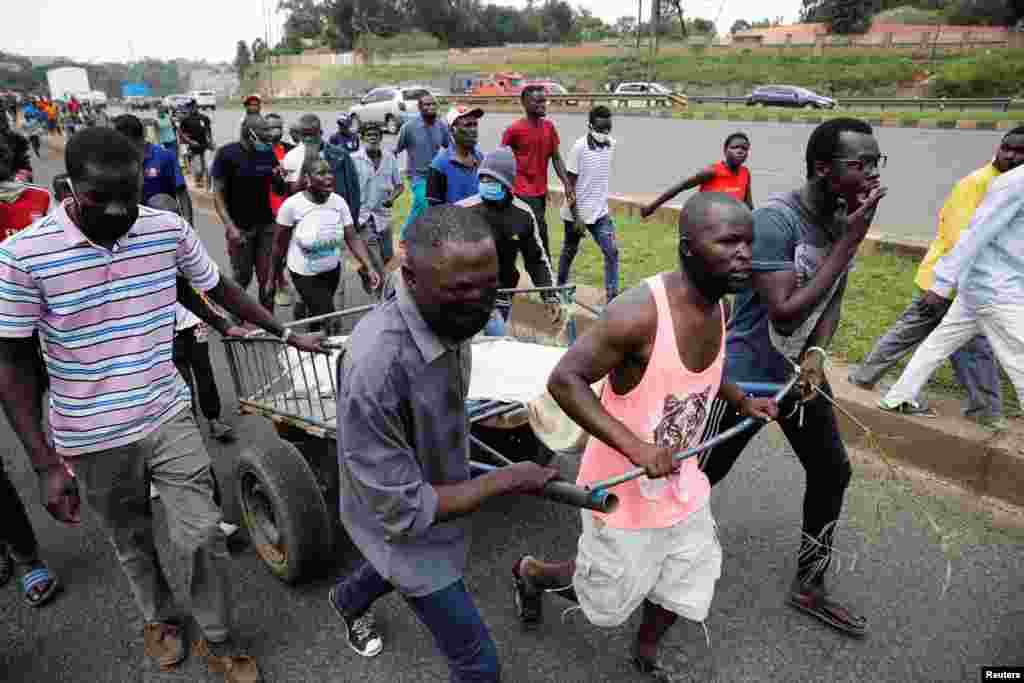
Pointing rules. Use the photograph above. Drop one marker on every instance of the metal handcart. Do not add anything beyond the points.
(288, 488)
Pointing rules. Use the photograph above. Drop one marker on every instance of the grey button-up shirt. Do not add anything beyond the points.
(402, 430)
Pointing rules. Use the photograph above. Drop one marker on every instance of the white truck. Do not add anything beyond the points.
(66, 81)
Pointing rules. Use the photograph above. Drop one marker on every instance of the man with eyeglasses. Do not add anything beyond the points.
(804, 244)
(974, 363)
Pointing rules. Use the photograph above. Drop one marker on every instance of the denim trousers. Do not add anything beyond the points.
(974, 363)
(450, 615)
(603, 232)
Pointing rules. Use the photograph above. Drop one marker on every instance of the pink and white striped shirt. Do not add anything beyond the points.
(105, 320)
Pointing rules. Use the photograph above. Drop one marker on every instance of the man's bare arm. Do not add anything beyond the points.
(624, 330)
(21, 392)
(185, 204)
(696, 180)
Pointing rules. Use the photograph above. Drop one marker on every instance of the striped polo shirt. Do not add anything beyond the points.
(105, 321)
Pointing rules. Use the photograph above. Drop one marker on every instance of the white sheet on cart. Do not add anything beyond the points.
(503, 370)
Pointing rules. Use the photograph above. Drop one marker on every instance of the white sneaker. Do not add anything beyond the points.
(229, 529)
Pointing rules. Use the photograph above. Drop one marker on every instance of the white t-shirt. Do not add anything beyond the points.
(318, 238)
(293, 161)
(592, 168)
(184, 318)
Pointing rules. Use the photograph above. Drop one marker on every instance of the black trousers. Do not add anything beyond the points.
(820, 449)
(192, 358)
(15, 528)
(317, 293)
(540, 207)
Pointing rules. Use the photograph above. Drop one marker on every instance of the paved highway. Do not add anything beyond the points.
(654, 153)
(92, 631)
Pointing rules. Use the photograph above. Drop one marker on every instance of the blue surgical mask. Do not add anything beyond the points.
(262, 146)
(492, 191)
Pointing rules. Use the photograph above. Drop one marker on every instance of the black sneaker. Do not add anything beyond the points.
(361, 633)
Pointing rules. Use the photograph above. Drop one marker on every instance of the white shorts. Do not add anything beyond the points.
(675, 568)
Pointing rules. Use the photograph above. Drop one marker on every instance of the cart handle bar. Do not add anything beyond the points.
(561, 491)
(600, 489)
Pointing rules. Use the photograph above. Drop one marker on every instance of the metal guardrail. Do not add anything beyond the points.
(570, 100)
(1002, 104)
(650, 101)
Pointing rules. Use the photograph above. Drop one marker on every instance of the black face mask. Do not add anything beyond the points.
(459, 322)
(100, 224)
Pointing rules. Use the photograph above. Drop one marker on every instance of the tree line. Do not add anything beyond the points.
(855, 16)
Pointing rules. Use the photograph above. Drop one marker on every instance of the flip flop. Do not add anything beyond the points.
(36, 577)
(6, 564)
(817, 604)
(527, 598)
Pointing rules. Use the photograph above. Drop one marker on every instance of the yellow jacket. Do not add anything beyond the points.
(954, 218)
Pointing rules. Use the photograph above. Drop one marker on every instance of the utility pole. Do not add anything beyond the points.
(639, 21)
(266, 43)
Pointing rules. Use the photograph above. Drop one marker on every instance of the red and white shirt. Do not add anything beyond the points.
(21, 207)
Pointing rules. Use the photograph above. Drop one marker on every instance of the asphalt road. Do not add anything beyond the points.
(655, 153)
(92, 631)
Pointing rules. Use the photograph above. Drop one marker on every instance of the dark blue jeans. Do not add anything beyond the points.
(604, 234)
(451, 616)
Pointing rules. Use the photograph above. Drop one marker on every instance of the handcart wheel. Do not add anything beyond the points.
(517, 444)
(283, 509)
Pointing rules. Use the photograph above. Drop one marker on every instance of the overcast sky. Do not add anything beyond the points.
(119, 30)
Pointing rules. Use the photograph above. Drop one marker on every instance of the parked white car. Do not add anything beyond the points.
(390, 105)
(642, 88)
(205, 99)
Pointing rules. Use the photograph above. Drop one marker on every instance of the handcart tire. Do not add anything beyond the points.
(517, 444)
(282, 508)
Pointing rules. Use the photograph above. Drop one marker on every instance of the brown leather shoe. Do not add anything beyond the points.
(164, 642)
(226, 659)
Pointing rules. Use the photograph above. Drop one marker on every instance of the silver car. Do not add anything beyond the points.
(389, 105)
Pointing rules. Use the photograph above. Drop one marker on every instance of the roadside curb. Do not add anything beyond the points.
(901, 120)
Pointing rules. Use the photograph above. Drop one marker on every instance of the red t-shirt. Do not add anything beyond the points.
(276, 200)
(724, 180)
(31, 205)
(533, 147)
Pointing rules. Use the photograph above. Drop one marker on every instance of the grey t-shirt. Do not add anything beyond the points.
(402, 430)
(787, 236)
(421, 142)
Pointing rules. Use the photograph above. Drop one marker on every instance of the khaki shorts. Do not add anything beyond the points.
(675, 568)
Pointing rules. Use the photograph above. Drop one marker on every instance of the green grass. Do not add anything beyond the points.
(867, 74)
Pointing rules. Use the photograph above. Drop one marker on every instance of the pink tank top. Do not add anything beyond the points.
(668, 407)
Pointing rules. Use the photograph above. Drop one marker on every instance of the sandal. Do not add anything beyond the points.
(651, 668)
(814, 600)
(528, 599)
(6, 564)
(39, 576)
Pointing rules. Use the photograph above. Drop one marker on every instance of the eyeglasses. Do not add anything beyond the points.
(866, 163)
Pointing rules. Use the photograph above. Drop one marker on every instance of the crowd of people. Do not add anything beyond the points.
(107, 295)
